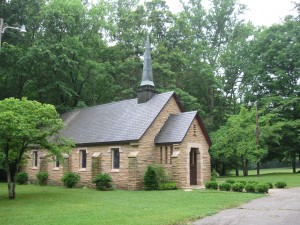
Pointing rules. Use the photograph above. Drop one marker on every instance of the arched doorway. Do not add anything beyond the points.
(193, 166)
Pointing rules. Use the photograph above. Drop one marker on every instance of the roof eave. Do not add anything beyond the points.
(105, 143)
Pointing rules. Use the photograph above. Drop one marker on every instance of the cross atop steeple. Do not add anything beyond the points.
(147, 86)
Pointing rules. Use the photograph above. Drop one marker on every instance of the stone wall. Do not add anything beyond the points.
(134, 157)
(149, 152)
(193, 139)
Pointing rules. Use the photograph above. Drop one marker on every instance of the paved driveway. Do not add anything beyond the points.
(281, 207)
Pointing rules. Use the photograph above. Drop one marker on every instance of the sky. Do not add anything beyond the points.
(260, 12)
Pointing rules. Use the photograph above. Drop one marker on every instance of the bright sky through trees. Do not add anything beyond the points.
(260, 12)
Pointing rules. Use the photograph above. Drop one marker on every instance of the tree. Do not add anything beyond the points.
(24, 124)
(272, 75)
(235, 143)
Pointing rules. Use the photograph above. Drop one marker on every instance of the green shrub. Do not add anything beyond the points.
(230, 181)
(103, 182)
(280, 184)
(211, 185)
(262, 188)
(214, 175)
(225, 186)
(242, 181)
(250, 187)
(155, 176)
(270, 185)
(160, 172)
(150, 179)
(238, 187)
(42, 178)
(70, 179)
(252, 182)
(22, 178)
(167, 186)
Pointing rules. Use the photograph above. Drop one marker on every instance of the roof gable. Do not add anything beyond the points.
(114, 122)
(175, 128)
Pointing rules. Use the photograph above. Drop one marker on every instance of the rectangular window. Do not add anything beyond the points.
(161, 155)
(82, 159)
(171, 153)
(35, 158)
(166, 155)
(115, 158)
(56, 162)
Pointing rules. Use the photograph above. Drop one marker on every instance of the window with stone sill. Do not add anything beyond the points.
(115, 158)
(82, 159)
(35, 159)
(56, 163)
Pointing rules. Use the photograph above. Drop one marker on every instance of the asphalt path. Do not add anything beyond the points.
(280, 207)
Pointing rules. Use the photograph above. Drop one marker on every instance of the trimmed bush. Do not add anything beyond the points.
(103, 182)
(225, 186)
(160, 172)
(270, 185)
(252, 182)
(150, 179)
(211, 185)
(42, 178)
(280, 184)
(242, 181)
(262, 188)
(250, 187)
(238, 187)
(230, 181)
(156, 178)
(167, 186)
(214, 175)
(22, 178)
(70, 179)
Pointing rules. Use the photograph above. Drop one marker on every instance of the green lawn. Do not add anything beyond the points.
(270, 175)
(272, 170)
(58, 205)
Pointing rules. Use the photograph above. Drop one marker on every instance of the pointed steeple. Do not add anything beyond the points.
(147, 78)
(147, 85)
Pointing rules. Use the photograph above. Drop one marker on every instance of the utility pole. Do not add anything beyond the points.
(257, 137)
(1, 25)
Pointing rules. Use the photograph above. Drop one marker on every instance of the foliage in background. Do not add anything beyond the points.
(81, 53)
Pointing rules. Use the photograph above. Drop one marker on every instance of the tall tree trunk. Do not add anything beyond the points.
(294, 162)
(257, 168)
(237, 172)
(245, 167)
(223, 169)
(11, 185)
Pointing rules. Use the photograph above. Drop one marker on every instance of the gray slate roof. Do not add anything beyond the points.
(114, 122)
(175, 128)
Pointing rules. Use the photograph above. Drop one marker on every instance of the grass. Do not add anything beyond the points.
(270, 175)
(268, 171)
(58, 205)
